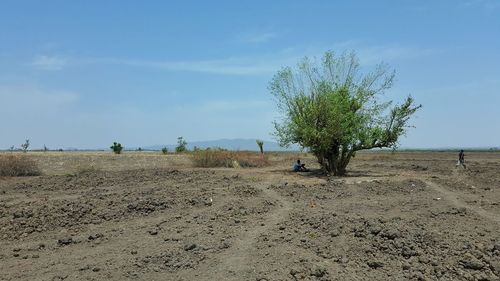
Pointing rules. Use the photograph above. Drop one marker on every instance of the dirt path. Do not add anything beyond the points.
(452, 198)
(238, 262)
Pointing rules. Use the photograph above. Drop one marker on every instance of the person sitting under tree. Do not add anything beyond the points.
(298, 167)
(461, 158)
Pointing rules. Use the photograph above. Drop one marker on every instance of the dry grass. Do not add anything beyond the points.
(18, 165)
(229, 159)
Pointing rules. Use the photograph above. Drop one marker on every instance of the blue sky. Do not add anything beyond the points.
(86, 73)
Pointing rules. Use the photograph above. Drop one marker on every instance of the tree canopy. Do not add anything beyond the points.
(332, 108)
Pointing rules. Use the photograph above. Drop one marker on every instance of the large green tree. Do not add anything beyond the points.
(333, 108)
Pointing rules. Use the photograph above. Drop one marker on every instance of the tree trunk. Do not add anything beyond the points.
(332, 165)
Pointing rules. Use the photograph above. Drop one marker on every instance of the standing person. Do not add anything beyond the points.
(461, 158)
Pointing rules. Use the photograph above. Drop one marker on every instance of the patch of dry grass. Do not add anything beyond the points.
(15, 165)
(229, 159)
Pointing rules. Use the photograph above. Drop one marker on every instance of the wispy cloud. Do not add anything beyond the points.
(49, 62)
(263, 64)
(260, 37)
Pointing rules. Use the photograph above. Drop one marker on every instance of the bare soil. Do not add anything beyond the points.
(144, 216)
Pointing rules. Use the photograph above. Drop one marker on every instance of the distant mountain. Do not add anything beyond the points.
(231, 144)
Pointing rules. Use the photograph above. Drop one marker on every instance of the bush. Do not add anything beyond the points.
(164, 150)
(229, 159)
(18, 165)
(116, 147)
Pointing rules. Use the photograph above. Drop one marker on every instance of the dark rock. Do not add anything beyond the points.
(375, 264)
(65, 241)
(189, 247)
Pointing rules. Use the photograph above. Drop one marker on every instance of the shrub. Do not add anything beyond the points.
(116, 147)
(164, 150)
(18, 165)
(229, 159)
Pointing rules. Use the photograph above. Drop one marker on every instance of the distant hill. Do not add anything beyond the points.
(231, 144)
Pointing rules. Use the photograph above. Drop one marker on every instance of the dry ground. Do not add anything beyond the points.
(145, 216)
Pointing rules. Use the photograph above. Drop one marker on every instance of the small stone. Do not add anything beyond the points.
(133, 252)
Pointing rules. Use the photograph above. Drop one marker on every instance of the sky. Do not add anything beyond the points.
(86, 73)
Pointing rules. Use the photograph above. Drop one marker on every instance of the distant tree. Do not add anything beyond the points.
(333, 110)
(139, 149)
(116, 147)
(164, 150)
(260, 143)
(181, 145)
(25, 145)
(45, 148)
(12, 148)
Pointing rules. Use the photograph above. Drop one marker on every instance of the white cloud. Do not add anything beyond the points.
(49, 62)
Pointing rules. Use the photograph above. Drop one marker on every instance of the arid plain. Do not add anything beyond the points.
(147, 216)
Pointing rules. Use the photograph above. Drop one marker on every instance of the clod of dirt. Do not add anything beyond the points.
(390, 233)
(471, 262)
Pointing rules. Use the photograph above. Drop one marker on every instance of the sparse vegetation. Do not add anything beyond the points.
(25, 145)
(229, 159)
(164, 150)
(181, 145)
(14, 165)
(332, 109)
(260, 143)
(116, 147)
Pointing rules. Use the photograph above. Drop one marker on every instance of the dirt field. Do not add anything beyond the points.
(144, 216)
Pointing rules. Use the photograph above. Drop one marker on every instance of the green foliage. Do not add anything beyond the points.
(261, 145)
(333, 110)
(164, 150)
(181, 145)
(116, 147)
(25, 145)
